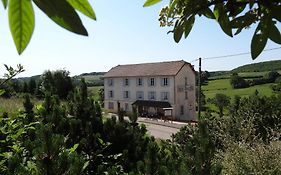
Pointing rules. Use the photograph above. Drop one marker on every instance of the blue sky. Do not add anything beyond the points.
(124, 33)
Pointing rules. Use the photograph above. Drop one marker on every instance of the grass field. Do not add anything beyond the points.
(223, 86)
(13, 104)
(94, 91)
(92, 77)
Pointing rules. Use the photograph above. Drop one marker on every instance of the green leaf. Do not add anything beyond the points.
(62, 13)
(21, 21)
(243, 21)
(84, 7)
(259, 40)
(172, 7)
(238, 31)
(238, 9)
(5, 3)
(223, 19)
(2, 92)
(86, 164)
(188, 25)
(178, 31)
(71, 150)
(276, 12)
(208, 13)
(274, 34)
(151, 2)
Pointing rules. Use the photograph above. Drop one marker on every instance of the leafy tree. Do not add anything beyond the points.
(57, 82)
(238, 82)
(230, 15)
(32, 86)
(220, 101)
(272, 76)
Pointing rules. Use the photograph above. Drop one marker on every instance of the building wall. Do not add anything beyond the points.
(119, 87)
(185, 103)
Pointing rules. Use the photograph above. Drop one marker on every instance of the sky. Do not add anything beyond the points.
(125, 33)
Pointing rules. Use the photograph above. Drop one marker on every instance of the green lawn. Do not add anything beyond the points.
(223, 86)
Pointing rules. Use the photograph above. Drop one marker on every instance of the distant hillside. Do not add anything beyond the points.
(26, 79)
(259, 67)
(92, 73)
(92, 78)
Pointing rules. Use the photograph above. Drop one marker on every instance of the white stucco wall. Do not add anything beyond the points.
(189, 106)
(118, 88)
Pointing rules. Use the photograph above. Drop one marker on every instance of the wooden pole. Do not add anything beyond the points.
(199, 90)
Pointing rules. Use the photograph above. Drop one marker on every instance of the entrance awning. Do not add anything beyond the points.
(148, 103)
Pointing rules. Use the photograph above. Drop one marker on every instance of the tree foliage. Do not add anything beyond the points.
(57, 83)
(230, 15)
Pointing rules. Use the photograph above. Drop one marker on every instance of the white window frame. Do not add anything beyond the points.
(111, 94)
(110, 105)
(126, 94)
(152, 81)
(126, 82)
(151, 94)
(165, 96)
(138, 94)
(139, 81)
(110, 82)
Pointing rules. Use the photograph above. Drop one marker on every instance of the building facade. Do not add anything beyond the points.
(152, 88)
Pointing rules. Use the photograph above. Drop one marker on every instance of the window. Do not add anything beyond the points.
(152, 82)
(139, 81)
(110, 105)
(139, 95)
(152, 95)
(110, 94)
(185, 81)
(186, 95)
(126, 82)
(126, 94)
(165, 81)
(110, 82)
(126, 107)
(182, 110)
(164, 96)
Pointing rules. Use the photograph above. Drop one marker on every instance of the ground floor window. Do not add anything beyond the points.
(110, 105)
(182, 110)
(126, 107)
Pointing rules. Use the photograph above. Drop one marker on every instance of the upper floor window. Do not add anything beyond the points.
(139, 95)
(165, 96)
(185, 81)
(126, 82)
(152, 82)
(152, 95)
(110, 82)
(165, 81)
(110, 94)
(126, 94)
(139, 81)
(186, 95)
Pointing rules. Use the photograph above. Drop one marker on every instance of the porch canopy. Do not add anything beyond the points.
(149, 103)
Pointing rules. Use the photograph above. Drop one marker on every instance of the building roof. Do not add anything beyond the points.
(147, 69)
(148, 103)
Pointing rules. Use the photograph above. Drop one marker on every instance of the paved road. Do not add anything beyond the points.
(159, 131)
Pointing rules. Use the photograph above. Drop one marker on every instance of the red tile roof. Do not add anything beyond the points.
(147, 69)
